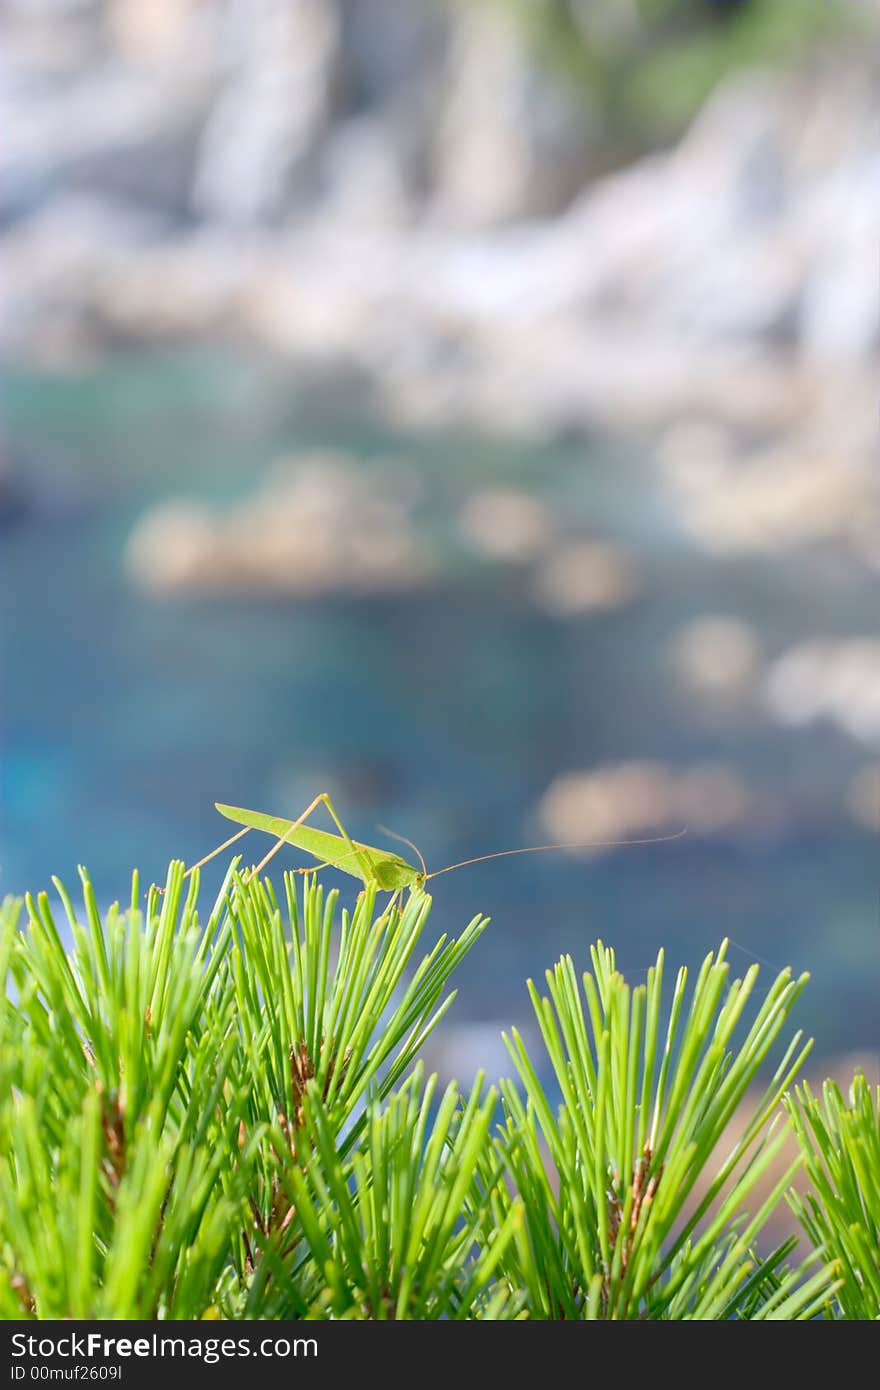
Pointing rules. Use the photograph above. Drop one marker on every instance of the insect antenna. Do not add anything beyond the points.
(537, 849)
(404, 841)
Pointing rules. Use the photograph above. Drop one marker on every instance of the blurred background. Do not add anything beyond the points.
(468, 408)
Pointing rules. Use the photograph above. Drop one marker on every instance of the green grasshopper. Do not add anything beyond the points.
(388, 872)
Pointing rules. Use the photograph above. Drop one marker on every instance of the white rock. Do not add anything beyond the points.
(718, 656)
(711, 798)
(837, 680)
(353, 205)
(154, 34)
(778, 498)
(585, 577)
(364, 175)
(275, 106)
(627, 800)
(607, 803)
(840, 310)
(510, 142)
(506, 524)
(318, 525)
(110, 130)
(171, 548)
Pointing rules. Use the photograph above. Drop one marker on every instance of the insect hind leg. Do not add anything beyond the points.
(322, 797)
(214, 852)
(283, 839)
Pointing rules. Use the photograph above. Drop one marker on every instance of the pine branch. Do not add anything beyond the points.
(227, 1117)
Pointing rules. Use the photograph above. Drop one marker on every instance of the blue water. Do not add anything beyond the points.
(444, 713)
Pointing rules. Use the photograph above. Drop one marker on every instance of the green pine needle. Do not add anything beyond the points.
(225, 1115)
(840, 1142)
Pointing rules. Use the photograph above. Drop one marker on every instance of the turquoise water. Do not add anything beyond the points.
(444, 713)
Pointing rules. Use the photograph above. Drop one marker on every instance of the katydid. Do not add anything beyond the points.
(389, 872)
